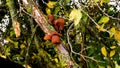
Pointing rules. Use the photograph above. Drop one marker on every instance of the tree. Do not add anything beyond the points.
(90, 37)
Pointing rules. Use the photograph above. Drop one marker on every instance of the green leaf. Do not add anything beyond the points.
(16, 44)
(104, 19)
(106, 1)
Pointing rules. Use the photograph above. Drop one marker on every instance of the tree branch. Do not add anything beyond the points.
(47, 28)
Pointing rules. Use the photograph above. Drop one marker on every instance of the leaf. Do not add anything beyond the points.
(112, 32)
(76, 16)
(116, 64)
(16, 44)
(56, 60)
(3, 56)
(104, 19)
(112, 53)
(8, 39)
(16, 26)
(117, 36)
(22, 46)
(101, 28)
(113, 47)
(51, 4)
(104, 1)
(104, 51)
(101, 67)
(72, 14)
(48, 11)
(27, 66)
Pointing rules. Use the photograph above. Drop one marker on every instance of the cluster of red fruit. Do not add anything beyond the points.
(58, 24)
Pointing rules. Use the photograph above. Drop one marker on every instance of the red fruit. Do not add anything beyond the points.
(47, 37)
(55, 39)
(59, 24)
(51, 18)
(55, 33)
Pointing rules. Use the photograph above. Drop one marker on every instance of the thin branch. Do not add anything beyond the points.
(106, 13)
(27, 50)
(83, 56)
(22, 9)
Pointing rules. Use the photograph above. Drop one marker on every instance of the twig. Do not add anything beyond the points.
(83, 56)
(106, 13)
(70, 43)
(44, 2)
(27, 50)
(22, 9)
(79, 6)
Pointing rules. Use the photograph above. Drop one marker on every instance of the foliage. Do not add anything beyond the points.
(94, 41)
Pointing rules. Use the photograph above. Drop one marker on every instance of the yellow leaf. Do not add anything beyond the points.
(3, 56)
(117, 36)
(48, 11)
(112, 32)
(27, 66)
(101, 3)
(113, 47)
(112, 53)
(51, 4)
(72, 14)
(96, 1)
(76, 16)
(104, 51)
(16, 26)
(104, 19)
(22, 46)
(8, 39)
(56, 60)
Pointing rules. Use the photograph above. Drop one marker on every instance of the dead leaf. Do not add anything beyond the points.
(16, 26)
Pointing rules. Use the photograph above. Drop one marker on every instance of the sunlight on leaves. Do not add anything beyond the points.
(76, 16)
(104, 51)
(112, 53)
(51, 4)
